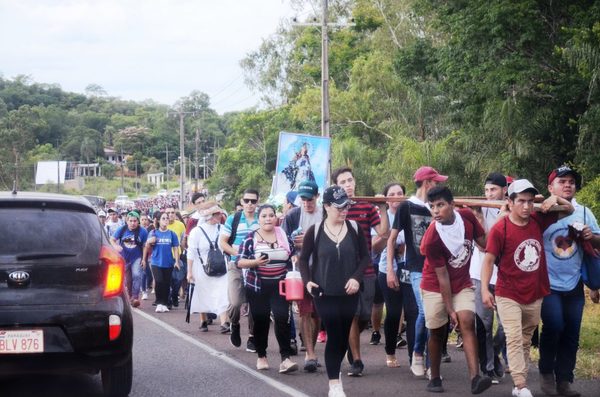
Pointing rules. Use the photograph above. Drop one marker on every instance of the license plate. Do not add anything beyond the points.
(22, 341)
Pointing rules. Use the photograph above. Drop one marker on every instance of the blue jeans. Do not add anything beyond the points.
(147, 278)
(420, 329)
(559, 339)
(176, 280)
(133, 274)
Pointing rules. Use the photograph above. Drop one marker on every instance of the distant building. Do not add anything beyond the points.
(114, 157)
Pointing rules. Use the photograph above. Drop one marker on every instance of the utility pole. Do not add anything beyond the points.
(324, 74)
(197, 141)
(122, 172)
(181, 115)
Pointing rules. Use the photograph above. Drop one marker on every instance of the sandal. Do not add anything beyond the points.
(392, 362)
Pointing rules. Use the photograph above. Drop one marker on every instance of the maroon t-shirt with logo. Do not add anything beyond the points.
(522, 272)
(367, 216)
(437, 255)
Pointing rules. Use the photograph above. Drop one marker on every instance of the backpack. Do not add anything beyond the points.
(234, 225)
(215, 265)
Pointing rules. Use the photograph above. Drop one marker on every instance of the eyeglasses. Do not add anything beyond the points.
(249, 201)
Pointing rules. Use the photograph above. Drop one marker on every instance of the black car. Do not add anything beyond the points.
(63, 307)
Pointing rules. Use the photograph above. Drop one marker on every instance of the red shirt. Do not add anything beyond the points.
(522, 272)
(437, 255)
(367, 216)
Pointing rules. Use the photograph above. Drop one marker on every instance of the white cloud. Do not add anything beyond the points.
(138, 49)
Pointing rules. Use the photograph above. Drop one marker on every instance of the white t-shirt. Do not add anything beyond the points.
(489, 219)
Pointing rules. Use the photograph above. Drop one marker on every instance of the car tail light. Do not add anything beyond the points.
(115, 271)
(114, 326)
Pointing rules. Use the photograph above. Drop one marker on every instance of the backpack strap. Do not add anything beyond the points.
(211, 245)
(234, 226)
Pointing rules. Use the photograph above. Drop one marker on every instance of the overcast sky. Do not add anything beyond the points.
(139, 49)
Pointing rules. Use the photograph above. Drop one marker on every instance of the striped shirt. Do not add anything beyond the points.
(242, 230)
(367, 216)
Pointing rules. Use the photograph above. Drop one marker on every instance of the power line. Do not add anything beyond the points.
(226, 86)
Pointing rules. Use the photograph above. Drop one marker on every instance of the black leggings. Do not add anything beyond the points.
(261, 305)
(162, 280)
(337, 313)
(395, 301)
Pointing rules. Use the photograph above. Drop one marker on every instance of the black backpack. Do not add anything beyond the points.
(215, 265)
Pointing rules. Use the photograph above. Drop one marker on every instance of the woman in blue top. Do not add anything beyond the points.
(164, 258)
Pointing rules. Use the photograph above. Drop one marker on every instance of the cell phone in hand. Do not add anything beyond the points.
(316, 291)
(264, 255)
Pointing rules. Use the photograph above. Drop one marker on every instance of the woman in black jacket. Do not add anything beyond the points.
(332, 264)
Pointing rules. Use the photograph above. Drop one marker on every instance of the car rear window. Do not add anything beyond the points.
(49, 231)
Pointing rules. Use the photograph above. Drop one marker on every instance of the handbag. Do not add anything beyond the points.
(215, 265)
(590, 268)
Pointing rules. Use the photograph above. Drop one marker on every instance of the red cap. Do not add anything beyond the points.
(428, 173)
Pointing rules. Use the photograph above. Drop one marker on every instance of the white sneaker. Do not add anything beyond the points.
(418, 365)
(164, 309)
(524, 392)
(144, 296)
(336, 390)
(158, 309)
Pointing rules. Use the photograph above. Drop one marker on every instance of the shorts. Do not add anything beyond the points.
(306, 306)
(365, 298)
(378, 298)
(436, 315)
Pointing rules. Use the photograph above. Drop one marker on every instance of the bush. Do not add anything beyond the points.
(590, 196)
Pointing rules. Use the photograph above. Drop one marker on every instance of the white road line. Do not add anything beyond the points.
(224, 357)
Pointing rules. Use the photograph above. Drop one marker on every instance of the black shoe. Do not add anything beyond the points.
(493, 377)
(176, 303)
(169, 306)
(356, 369)
(400, 342)
(154, 303)
(459, 342)
(225, 328)
(204, 327)
(311, 365)
(250, 347)
(294, 347)
(435, 386)
(480, 383)
(235, 338)
(375, 338)
(446, 358)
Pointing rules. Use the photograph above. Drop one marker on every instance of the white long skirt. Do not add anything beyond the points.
(210, 293)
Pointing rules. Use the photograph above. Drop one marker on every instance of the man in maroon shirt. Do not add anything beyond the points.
(522, 274)
(446, 284)
(367, 216)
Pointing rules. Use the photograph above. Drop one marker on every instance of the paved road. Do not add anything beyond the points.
(172, 358)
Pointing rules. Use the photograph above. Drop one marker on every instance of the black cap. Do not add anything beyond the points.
(562, 171)
(496, 178)
(336, 196)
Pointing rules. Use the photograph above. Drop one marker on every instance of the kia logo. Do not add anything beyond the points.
(19, 276)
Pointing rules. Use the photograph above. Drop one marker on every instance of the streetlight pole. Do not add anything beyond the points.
(324, 74)
(181, 115)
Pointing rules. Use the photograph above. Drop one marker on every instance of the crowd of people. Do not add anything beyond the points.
(435, 267)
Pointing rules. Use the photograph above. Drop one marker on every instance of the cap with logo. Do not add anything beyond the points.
(308, 189)
(562, 171)
(496, 178)
(426, 173)
(336, 196)
(522, 186)
(102, 213)
(112, 210)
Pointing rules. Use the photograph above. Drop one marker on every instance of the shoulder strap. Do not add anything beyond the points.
(234, 226)
(207, 238)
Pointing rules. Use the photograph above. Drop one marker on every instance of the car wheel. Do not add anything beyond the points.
(116, 380)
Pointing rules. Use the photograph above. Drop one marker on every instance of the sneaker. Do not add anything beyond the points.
(400, 342)
(498, 368)
(287, 366)
(435, 386)
(418, 365)
(446, 358)
(356, 369)
(564, 389)
(262, 364)
(204, 326)
(493, 377)
(311, 365)
(459, 342)
(336, 390)
(250, 347)
(135, 303)
(144, 296)
(480, 383)
(524, 392)
(294, 347)
(322, 337)
(165, 308)
(225, 328)
(235, 338)
(548, 384)
(375, 338)
(158, 309)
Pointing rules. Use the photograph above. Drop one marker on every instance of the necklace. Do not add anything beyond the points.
(337, 236)
(263, 240)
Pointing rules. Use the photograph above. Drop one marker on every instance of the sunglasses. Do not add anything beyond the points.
(250, 201)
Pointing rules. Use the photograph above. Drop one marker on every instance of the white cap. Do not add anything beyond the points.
(520, 186)
(101, 213)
